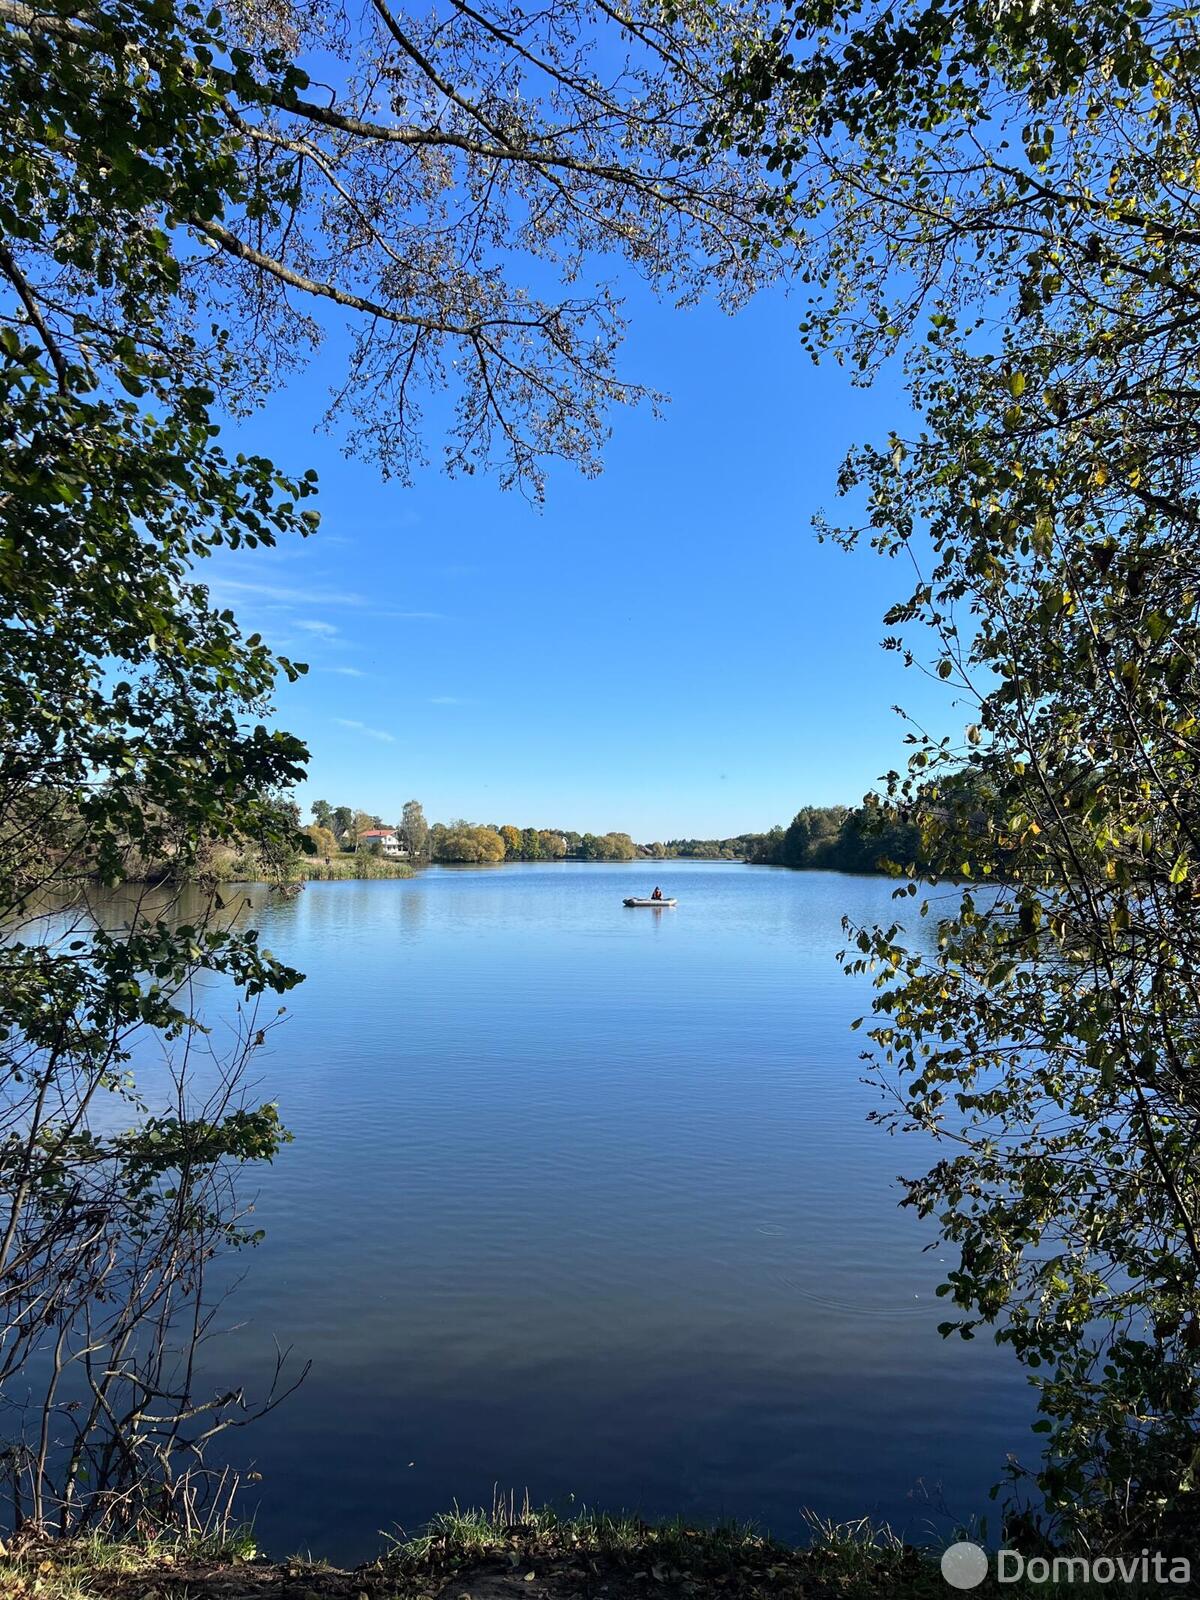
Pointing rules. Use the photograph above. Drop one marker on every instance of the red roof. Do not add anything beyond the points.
(378, 833)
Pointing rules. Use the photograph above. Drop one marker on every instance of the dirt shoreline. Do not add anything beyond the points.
(476, 1556)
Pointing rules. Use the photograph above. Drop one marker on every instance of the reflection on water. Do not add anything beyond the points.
(582, 1199)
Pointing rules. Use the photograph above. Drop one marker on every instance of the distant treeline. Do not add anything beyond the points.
(839, 839)
(835, 838)
(737, 848)
(345, 828)
(466, 841)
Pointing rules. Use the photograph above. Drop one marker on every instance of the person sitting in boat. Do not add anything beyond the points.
(657, 895)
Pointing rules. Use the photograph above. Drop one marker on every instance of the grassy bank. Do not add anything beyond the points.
(229, 868)
(318, 869)
(511, 1553)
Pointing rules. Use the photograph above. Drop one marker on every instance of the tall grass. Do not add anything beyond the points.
(318, 869)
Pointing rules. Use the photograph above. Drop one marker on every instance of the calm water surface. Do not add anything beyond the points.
(582, 1199)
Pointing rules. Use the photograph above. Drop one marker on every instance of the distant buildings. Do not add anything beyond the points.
(387, 839)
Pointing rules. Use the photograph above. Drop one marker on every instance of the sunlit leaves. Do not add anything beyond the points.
(1031, 169)
(134, 730)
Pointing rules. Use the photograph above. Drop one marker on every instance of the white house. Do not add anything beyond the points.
(386, 838)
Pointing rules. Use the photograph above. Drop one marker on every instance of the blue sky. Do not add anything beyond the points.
(665, 650)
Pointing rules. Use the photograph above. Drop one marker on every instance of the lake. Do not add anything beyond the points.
(583, 1200)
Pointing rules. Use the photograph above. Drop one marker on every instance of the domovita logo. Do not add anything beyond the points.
(964, 1565)
(1145, 1568)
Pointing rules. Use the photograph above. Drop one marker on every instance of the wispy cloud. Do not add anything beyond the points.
(367, 733)
(278, 591)
(283, 594)
(344, 672)
(447, 700)
(315, 626)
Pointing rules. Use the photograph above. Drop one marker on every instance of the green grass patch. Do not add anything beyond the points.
(582, 1553)
(516, 1549)
(87, 1565)
(317, 869)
